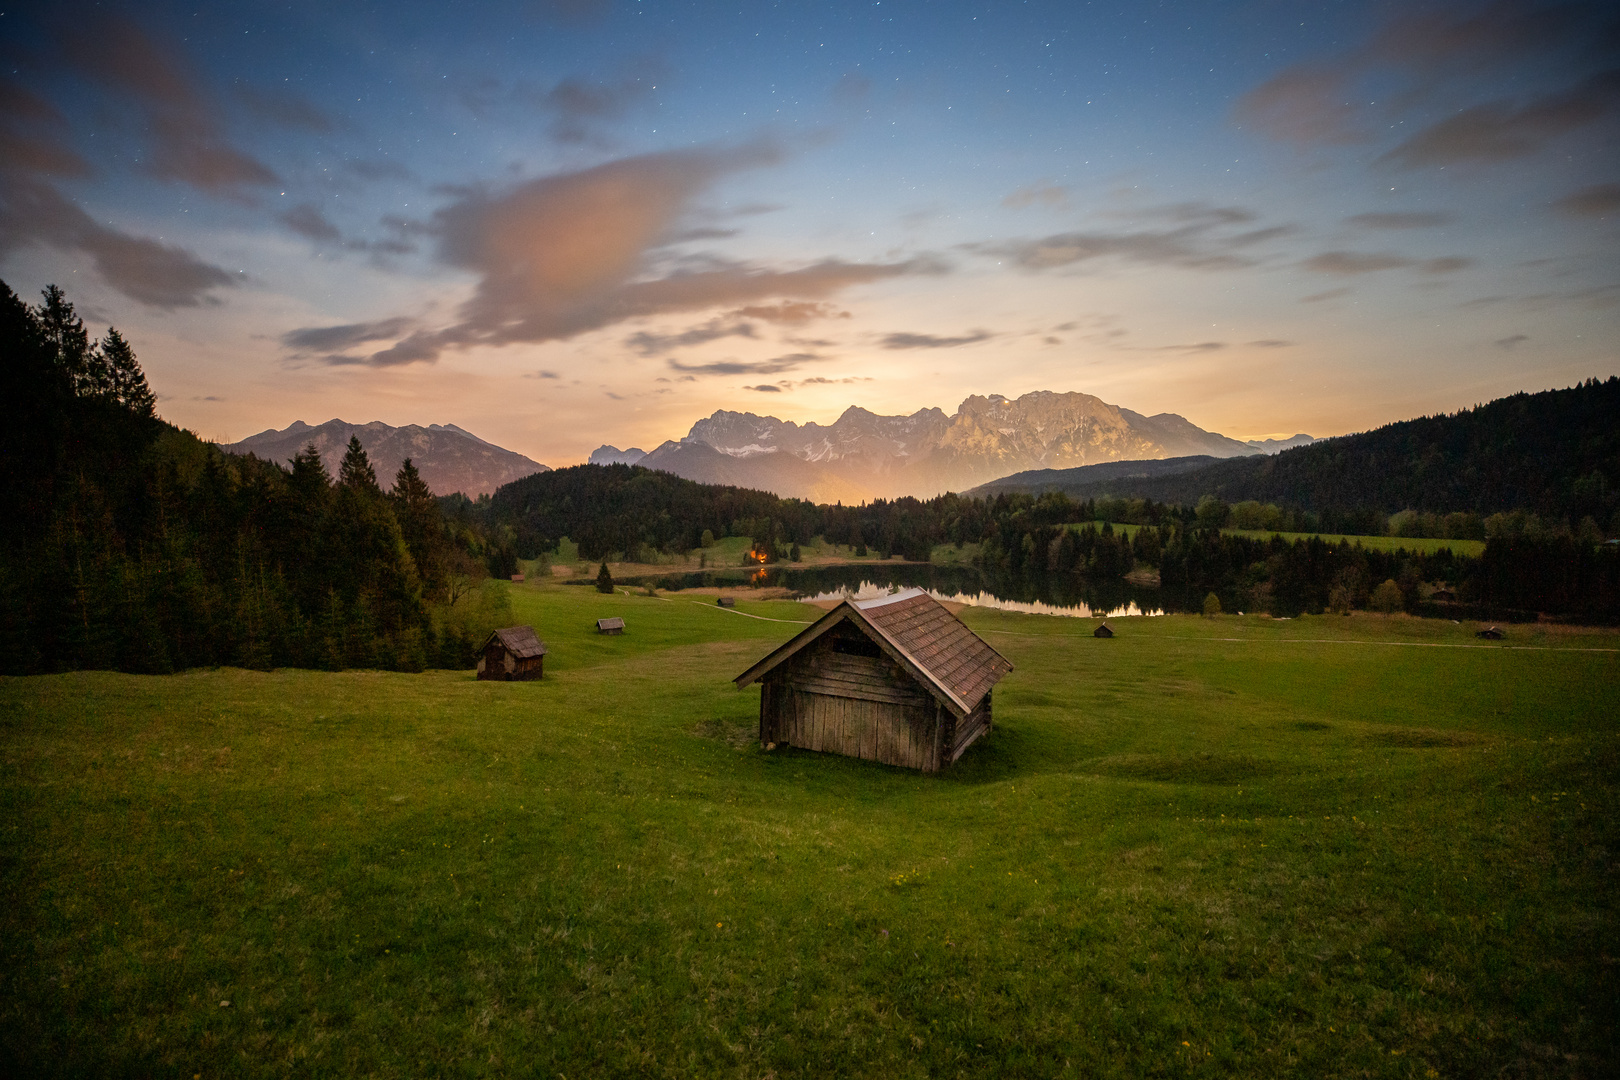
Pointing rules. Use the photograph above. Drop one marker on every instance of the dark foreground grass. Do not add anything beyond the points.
(1212, 847)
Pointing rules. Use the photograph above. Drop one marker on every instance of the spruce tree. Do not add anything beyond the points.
(356, 472)
(126, 379)
(421, 524)
(604, 580)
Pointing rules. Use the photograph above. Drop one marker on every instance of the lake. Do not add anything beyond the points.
(1040, 594)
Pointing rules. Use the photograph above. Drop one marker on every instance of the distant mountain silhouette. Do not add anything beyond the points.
(863, 455)
(612, 455)
(449, 458)
(1088, 478)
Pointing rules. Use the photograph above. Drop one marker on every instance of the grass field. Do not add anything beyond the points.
(1231, 847)
(1427, 545)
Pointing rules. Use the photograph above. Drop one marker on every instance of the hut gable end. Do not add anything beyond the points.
(899, 680)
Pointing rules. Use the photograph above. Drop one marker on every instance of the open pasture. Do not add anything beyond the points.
(1229, 847)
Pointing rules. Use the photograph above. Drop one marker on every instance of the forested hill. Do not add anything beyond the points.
(1556, 453)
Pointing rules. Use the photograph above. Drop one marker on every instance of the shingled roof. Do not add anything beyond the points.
(956, 665)
(521, 641)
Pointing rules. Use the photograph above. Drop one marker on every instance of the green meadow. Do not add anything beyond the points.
(1426, 545)
(1221, 847)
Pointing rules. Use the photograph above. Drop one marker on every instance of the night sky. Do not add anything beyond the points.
(565, 224)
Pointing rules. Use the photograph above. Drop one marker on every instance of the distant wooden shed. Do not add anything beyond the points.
(1443, 595)
(614, 625)
(898, 679)
(517, 577)
(513, 654)
(1490, 633)
(726, 601)
(1103, 631)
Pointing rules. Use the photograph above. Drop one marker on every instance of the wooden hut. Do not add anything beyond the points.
(726, 601)
(517, 577)
(1103, 631)
(513, 654)
(614, 625)
(898, 680)
(1490, 633)
(1443, 596)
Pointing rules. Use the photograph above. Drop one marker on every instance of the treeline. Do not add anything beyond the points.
(1555, 454)
(127, 543)
(634, 513)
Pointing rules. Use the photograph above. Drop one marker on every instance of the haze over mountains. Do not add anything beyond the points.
(449, 458)
(862, 455)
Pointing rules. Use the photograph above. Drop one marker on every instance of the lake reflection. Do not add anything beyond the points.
(1040, 594)
(868, 590)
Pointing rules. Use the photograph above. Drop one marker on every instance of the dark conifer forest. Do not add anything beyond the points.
(128, 543)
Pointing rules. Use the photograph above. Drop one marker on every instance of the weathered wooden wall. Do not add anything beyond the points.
(497, 664)
(860, 706)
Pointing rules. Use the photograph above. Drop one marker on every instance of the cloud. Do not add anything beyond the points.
(332, 338)
(1271, 343)
(1331, 294)
(1039, 194)
(790, 362)
(569, 253)
(188, 142)
(1597, 201)
(1303, 104)
(30, 128)
(648, 344)
(1497, 131)
(286, 109)
(929, 341)
(1410, 219)
(1178, 247)
(379, 169)
(791, 312)
(578, 106)
(1347, 263)
(149, 271)
(1510, 342)
(307, 221)
(851, 89)
(1200, 347)
(1201, 239)
(765, 388)
(1431, 58)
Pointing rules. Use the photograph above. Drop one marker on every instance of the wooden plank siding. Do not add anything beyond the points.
(855, 727)
(897, 679)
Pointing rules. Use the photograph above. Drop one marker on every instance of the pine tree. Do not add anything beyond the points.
(604, 580)
(421, 524)
(66, 341)
(356, 472)
(124, 374)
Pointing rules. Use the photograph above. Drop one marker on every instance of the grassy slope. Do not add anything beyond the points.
(1209, 846)
(1428, 545)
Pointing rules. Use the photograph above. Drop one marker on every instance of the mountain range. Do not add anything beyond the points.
(449, 458)
(863, 455)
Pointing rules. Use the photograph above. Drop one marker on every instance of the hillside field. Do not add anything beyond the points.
(1224, 847)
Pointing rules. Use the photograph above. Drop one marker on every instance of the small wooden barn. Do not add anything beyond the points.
(898, 679)
(614, 625)
(1490, 633)
(1103, 631)
(512, 654)
(726, 601)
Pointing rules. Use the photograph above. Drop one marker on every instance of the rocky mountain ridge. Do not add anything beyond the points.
(864, 455)
(449, 458)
